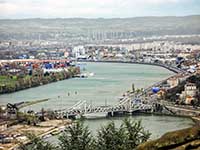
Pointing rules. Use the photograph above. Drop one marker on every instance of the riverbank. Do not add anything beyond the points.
(41, 130)
(170, 68)
(184, 139)
(10, 84)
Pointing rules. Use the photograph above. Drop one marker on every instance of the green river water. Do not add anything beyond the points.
(109, 82)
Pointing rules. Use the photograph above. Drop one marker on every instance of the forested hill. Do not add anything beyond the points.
(127, 27)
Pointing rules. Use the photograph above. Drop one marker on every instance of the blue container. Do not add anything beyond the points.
(155, 89)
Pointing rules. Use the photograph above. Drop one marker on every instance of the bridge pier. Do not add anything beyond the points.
(114, 113)
(118, 113)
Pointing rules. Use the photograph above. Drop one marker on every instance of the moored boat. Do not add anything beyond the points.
(95, 115)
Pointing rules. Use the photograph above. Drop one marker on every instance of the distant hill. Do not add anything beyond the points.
(109, 28)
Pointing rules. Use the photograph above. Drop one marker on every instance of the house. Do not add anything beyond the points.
(161, 93)
(173, 82)
(3, 126)
(189, 99)
(12, 110)
(190, 89)
(189, 93)
(3, 112)
(181, 77)
(198, 70)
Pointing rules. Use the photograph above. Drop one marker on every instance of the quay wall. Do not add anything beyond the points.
(184, 111)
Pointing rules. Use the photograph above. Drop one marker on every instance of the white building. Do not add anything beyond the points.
(78, 51)
(190, 89)
(189, 93)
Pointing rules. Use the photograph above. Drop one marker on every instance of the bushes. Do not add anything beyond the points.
(77, 137)
(128, 136)
(36, 144)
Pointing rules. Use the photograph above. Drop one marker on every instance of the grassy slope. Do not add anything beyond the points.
(181, 139)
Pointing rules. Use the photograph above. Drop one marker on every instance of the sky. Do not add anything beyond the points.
(18, 9)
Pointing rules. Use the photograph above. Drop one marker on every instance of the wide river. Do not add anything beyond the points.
(109, 82)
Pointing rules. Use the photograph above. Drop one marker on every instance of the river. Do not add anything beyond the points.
(109, 82)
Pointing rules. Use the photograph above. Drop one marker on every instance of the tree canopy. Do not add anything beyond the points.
(128, 135)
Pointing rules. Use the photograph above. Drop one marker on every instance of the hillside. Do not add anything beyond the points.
(178, 140)
(80, 27)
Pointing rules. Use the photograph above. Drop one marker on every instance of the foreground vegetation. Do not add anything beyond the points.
(185, 139)
(78, 137)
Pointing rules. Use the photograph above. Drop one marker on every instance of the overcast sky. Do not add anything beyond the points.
(96, 8)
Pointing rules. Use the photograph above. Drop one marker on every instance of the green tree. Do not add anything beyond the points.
(128, 136)
(76, 137)
(111, 138)
(135, 133)
(36, 144)
(133, 87)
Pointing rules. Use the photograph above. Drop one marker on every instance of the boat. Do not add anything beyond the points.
(91, 74)
(78, 116)
(83, 75)
(95, 115)
(47, 136)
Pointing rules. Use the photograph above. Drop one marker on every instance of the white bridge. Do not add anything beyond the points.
(126, 105)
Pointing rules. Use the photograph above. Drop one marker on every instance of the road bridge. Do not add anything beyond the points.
(126, 105)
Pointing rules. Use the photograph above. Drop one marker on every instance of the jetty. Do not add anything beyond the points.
(166, 66)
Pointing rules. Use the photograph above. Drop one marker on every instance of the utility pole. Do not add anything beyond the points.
(133, 88)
